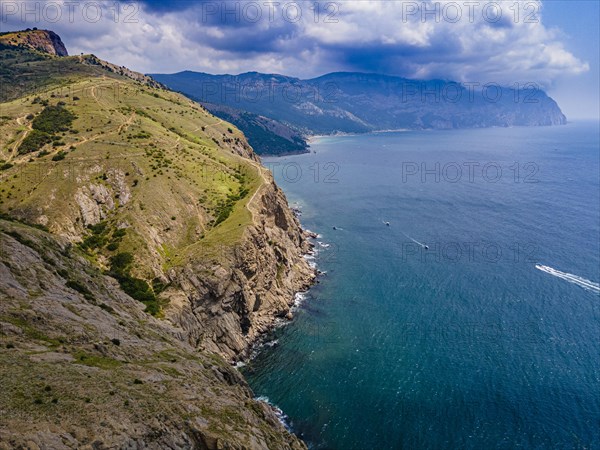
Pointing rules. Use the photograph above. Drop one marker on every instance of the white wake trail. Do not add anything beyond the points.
(580, 281)
(414, 240)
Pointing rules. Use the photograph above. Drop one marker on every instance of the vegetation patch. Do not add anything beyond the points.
(102, 236)
(22, 240)
(59, 156)
(120, 269)
(225, 208)
(34, 141)
(52, 120)
(102, 362)
(79, 287)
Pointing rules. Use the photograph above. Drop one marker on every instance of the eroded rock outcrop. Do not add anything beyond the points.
(45, 41)
(225, 307)
(83, 366)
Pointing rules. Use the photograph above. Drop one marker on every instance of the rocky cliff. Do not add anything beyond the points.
(44, 41)
(204, 221)
(83, 366)
(223, 308)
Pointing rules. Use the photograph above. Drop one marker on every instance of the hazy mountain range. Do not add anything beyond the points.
(277, 111)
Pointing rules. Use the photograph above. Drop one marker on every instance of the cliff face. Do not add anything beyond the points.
(83, 366)
(44, 41)
(225, 308)
(197, 213)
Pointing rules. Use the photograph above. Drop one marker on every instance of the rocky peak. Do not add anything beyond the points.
(45, 41)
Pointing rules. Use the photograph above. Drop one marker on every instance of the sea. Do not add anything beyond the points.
(458, 305)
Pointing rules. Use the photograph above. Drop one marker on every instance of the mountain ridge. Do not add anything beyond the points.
(355, 102)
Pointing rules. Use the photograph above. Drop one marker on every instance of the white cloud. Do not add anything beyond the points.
(413, 39)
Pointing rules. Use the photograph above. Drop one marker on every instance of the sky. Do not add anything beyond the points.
(551, 43)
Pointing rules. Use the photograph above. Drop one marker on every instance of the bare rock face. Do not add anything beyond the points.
(84, 367)
(45, 41)
(224, 308)
(57, 44)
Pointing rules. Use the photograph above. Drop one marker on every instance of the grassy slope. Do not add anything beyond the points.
(168, 165)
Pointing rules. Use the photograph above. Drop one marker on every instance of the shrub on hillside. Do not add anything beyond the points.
(59, 156)
(34, 141)
(53, 119)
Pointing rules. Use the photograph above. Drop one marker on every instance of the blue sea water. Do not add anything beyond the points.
(488, 339)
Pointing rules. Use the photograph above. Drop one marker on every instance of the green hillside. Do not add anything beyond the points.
(141, 178)
(119, 201)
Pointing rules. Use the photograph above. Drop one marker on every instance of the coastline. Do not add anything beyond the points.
(313, 139)
(265, 339)
(287, 318)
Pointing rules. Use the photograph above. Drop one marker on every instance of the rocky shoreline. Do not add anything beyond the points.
(224, 308)
(264, 338)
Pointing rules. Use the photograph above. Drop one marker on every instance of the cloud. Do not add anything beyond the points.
(503, 41)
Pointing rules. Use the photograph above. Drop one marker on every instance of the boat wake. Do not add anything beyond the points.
(580, 281)
(414, 240)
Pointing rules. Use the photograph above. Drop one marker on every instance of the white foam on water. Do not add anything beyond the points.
(281, 416)
(575, 279)
(310, 259)
(299, 298)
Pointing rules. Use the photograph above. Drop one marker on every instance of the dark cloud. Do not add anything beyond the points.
(166, 6)
(360, 35)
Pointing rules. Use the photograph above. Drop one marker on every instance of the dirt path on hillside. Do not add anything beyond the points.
(15, 149)
(126, 124)
(261, 172)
